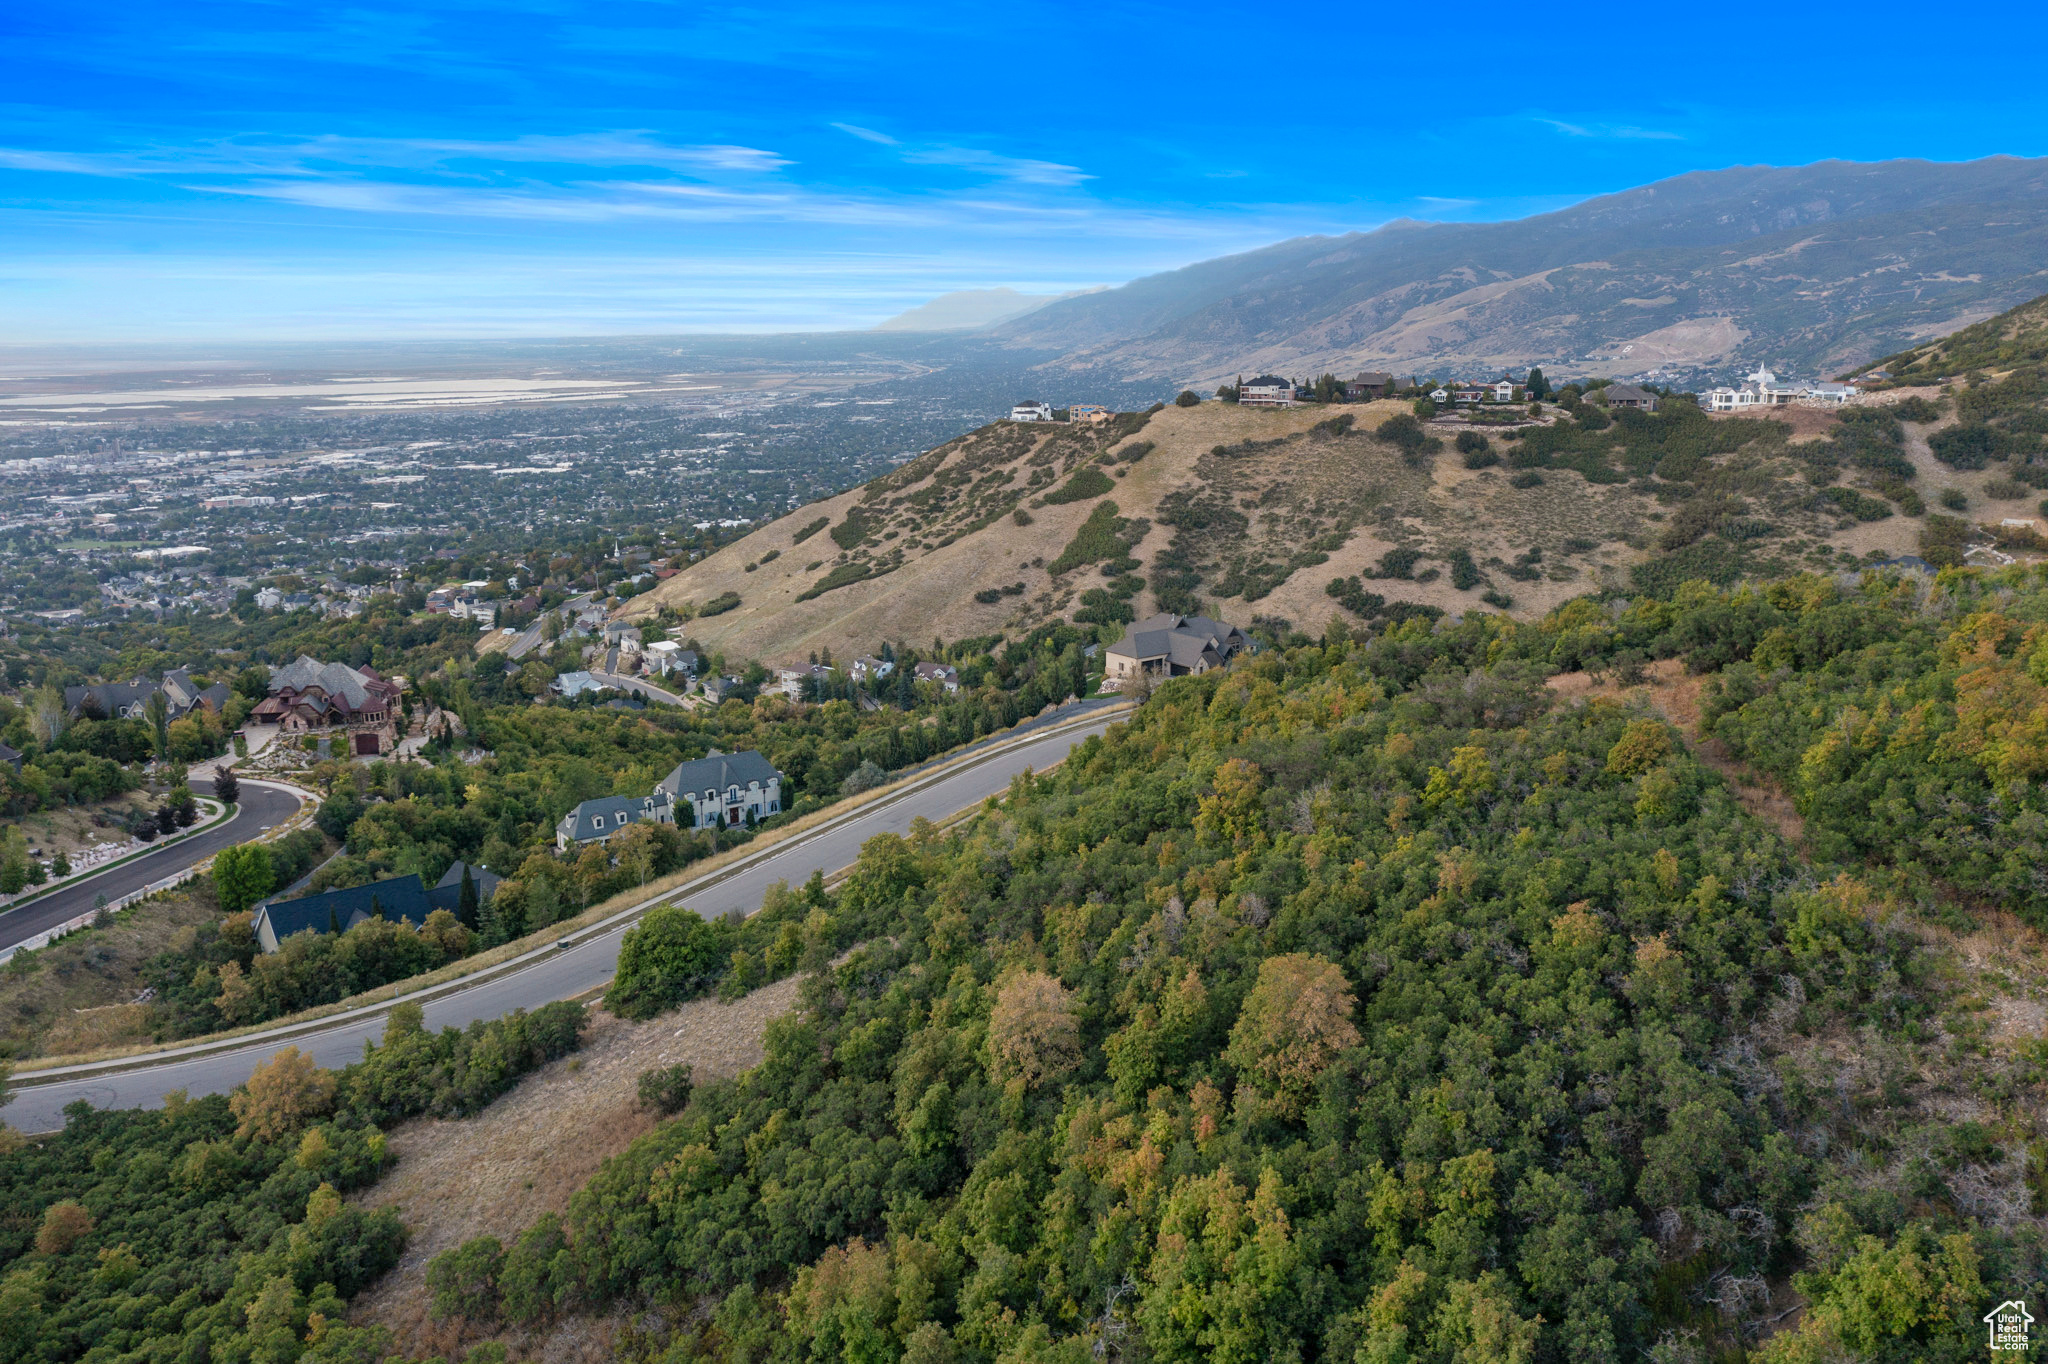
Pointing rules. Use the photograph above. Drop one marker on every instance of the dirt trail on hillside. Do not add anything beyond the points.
(1677, 696)
(493, 1174)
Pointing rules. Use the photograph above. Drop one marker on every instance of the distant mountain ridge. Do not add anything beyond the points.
(1815, 269)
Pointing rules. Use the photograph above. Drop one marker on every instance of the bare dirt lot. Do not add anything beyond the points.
(492, 1175)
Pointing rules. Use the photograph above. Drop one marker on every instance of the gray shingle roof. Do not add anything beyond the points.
(336, 679)
(718, 771)
(601, 818)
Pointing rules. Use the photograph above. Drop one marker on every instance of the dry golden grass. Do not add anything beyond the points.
(76, 996)
(492, 1175)
(1288, 493)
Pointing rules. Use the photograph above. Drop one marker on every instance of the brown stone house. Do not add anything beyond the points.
(307, 697)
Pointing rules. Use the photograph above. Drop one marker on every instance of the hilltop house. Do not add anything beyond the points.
(307, 696)
(1168, 645)
(867, 667)
(1267, 390)
(1370, 385)
(1088, 414)
(1625, 395)
(1031, 410)
(596, 821)
(1761, 389)
(724, 788)
(1504, 390)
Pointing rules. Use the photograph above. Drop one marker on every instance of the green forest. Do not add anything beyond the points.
(1366, 1004)
(1369, 1001)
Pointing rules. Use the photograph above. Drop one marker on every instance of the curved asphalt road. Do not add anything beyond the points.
(260, 808)
(555, 974)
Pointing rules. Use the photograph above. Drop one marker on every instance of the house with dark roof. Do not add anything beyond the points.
(942, 675)
(1268, 390)
(130, 700)
(1370, 385)
(447, 892)
(723, 788)
(402, 899)
(1624, 395)
(10, 756)
(1168, 645)
(600, 820)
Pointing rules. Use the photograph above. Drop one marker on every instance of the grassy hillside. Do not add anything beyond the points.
(1313, 514)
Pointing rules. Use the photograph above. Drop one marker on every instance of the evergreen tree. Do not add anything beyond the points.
(226, 788)
(158, 712)
(465, 905)
(1537, 386)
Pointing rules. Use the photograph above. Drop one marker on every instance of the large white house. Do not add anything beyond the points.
(1268, 390)
(1031, 411)
(1765, 389)
(723, 788)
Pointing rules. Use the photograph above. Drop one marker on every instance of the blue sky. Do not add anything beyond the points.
(305, 170)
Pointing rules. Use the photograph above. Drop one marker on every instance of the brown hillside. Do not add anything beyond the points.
(1259, 509)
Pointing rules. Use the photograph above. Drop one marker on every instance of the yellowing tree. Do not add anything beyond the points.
(1293, 1024)
(1034, 1034)
(282, 1095)
(64, 1225)
(1231, 813)
(1641, 746)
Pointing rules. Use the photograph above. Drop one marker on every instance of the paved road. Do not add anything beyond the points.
(260, 808)
(555, 975)
(639, 686)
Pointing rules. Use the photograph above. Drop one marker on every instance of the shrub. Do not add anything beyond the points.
(1187, 398)
(1464, 573)
(1954, 499)
(1856, 504)
(669, 956)
(812, 529)
(1086, 482)
(2005, 490)
(665, 1089)
(1943, 540)
(1527, 478)
(720, 604)
(464, 1282)
(1398, 562)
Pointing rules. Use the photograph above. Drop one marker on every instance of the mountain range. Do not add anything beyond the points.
(1813, 269)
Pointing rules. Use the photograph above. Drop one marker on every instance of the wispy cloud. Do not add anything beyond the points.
(866, 134)
(1614, 132)
(1019, 169)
